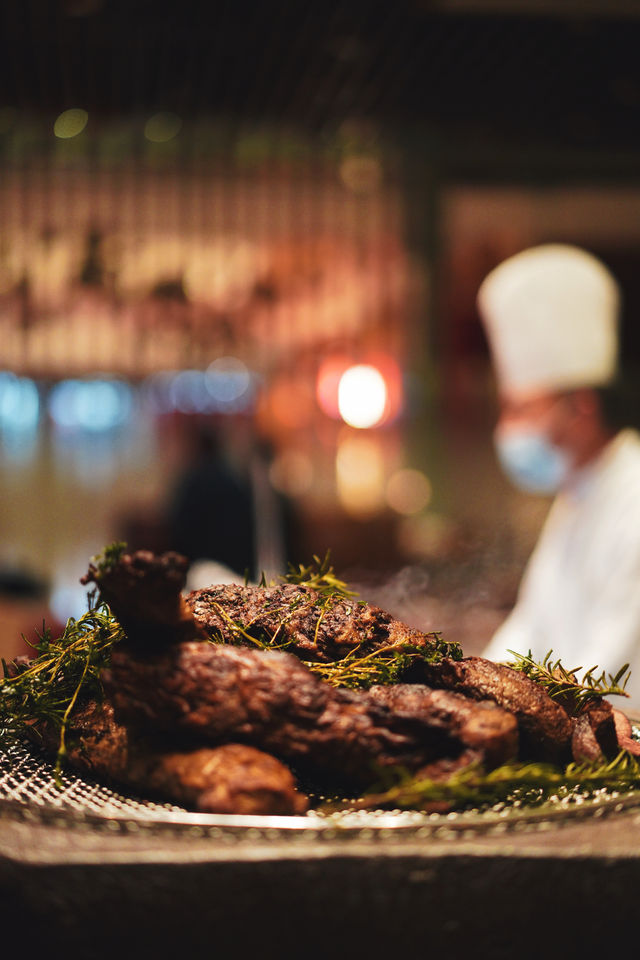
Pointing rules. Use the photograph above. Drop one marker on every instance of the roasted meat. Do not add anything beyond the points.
(215, 692)
(256, 688)
(482, 726)
(299, 618)
(624, 733)
(545, 727)
(231, 778)
(594, 734)
(145, 593)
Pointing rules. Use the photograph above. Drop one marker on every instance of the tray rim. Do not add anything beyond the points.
(346, 825)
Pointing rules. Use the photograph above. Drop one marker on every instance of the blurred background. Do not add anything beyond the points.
(239, 254)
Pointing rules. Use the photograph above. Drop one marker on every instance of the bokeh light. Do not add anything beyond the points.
(361, 174)
(187, 392)
(226, 386)
(291, 472)
(70, 123)
(162, 127)
(92, 406)
(360, 475)
(362, 396)
(408, 492)
(19, 404)
(328, 382)
(228, 382)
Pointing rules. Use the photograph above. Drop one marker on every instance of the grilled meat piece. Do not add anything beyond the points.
(482, 726)
(624, 733)
(584, 744)
(438, 771)
(545, 728)
(312, 627)
(144, 592)
(594, 732)
(232, 778)
(215, 693)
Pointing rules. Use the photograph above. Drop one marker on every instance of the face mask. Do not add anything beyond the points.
(531, 461)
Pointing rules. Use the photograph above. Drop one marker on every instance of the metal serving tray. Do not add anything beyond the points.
(30, 792)
(90, 872)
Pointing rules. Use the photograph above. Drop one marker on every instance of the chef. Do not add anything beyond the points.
(551, 317)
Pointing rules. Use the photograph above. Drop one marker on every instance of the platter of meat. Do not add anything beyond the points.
(290, 704)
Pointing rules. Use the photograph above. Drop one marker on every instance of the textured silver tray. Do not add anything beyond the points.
(372, 884)
(30, 793)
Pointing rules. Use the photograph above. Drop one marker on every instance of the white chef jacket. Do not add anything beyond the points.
(580, 594)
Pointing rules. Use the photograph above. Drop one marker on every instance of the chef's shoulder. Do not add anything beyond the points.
(620, 505)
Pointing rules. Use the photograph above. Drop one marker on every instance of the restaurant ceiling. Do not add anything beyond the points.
(530, 91)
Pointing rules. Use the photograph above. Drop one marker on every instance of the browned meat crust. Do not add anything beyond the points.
(214, 692)
(296, 616)
(165, 679)
(624, 733)
(144, 591)
(594, 732)
(545, 728)
(232, 778)
(584, 744)
(480, 725)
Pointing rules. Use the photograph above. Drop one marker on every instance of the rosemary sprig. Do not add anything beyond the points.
(109, 557)
(242, 633)
(320, 576)
(563, 684)
(385, 665)
(528, 784)
(65, 669)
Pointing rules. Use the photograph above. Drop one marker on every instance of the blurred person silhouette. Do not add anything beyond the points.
(230, 521)
(210, 511)
(551, 315)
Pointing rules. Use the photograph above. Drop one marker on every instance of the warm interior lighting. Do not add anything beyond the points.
(327, 383)
(292, 473)
(360, 475)
(408, 492)
(361, 174)
(70, 123)
(362, 396)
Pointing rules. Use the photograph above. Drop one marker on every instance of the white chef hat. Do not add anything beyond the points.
(551, 318)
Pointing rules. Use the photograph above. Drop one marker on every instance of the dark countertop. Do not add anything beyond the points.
(553, 887)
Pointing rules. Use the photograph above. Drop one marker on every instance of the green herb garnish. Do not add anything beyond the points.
(319, 576)
(562, 684)
(109, 557)
(514, 783)
(385, 665)
(63, 671)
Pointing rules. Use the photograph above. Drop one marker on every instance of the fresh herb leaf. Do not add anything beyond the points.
(514, 784)
(109, 557)
(563, 684)
(64, 670)
(320, 576)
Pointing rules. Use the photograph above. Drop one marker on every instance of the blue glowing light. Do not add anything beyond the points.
(91, 406)
(19, 404)
(226, 386)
